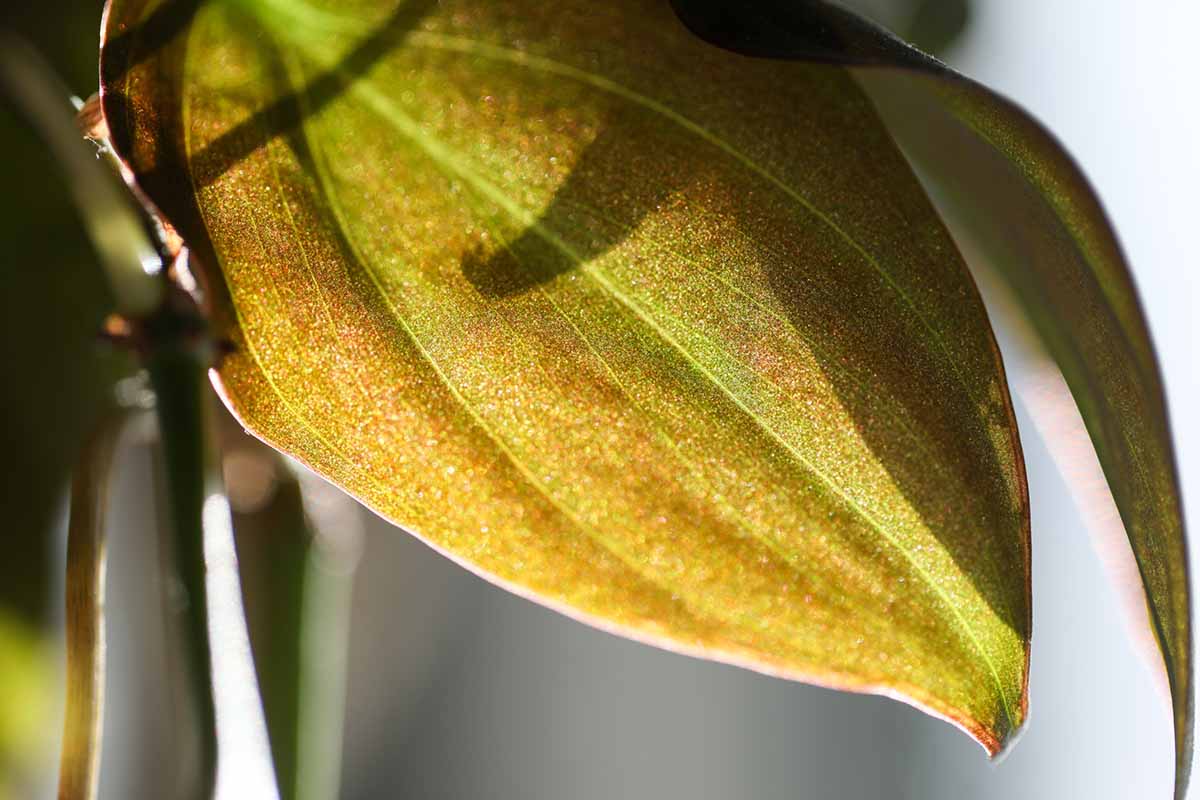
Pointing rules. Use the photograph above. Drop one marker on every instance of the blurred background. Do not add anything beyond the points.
(458, 690)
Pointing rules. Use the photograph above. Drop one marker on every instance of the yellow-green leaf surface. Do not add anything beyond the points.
(664, 337)
(1030, 206)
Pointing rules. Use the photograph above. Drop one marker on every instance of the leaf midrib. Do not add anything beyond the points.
(449, 160)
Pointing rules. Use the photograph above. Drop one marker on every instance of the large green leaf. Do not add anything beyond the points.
(1027, 202)
(666, 338)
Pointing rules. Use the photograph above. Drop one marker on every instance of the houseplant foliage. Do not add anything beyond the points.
(626, 317)
(1032, 208)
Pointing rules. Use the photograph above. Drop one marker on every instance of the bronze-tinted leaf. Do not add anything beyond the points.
(664, 337)
(1033, 209)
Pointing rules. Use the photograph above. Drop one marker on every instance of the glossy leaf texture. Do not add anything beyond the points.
(664, 337)
(1033, 210)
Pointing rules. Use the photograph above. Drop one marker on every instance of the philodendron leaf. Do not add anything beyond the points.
(663, 337)
(1033, 209)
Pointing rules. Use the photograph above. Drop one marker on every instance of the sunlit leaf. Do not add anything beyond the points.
(45, 416)
(1029, 204)
(27, 676)
(663, 337)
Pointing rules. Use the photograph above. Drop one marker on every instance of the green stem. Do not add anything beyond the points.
(177, 374)
(330, 563)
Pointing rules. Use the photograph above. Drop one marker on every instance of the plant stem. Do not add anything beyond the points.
(84, 713)
(330, 563)
(177, 373)
(162, 323)
(273, 543)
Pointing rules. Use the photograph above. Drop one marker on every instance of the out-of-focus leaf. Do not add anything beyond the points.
(935, 25)
(52, 301)
(27, 679)
(932, 25)
(663, 337)
(1034, 210)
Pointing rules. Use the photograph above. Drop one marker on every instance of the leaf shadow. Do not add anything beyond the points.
(824, 302)
(814, 290)
(284, 114)
(597, 180)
